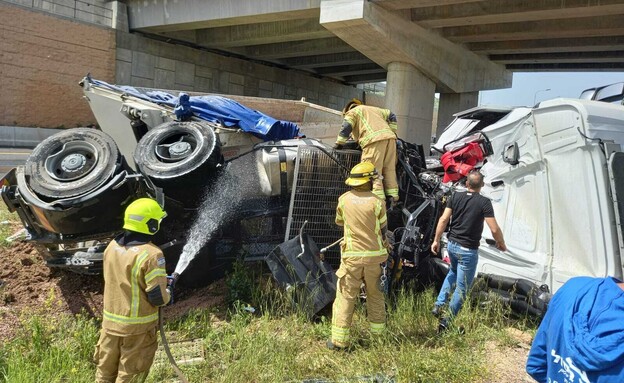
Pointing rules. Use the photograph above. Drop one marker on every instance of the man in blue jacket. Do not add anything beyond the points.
(581, 339)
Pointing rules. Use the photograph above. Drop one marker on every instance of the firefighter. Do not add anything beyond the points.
(363, 250)
(375, 131)
(135, 285)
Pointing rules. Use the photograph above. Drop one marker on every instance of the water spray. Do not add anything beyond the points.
(220, 204)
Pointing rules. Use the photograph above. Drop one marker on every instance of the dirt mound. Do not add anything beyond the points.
(186, 300)
(28, 285)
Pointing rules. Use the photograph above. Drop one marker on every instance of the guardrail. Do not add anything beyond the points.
(20, 137)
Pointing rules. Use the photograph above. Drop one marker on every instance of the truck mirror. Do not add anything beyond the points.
(511, 154)
(610, 93)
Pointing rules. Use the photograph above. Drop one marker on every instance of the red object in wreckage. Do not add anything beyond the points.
(460, 162)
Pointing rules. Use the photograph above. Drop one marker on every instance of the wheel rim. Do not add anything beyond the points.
(175, 147)
(72, 162)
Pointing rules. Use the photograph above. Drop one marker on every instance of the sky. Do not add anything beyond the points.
(532, 86)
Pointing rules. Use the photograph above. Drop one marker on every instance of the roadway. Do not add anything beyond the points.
(11, 157)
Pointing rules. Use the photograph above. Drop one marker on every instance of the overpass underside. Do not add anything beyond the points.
(453, 47)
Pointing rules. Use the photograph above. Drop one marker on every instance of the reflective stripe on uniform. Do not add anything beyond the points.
(373, 253)
(379, 193)
(365, 140)
(130, 320)
(392, 192)
(341, 140)
(340, 334)
(134, 283)
(160, 272)
(377, 328)
(383, 220)
(378, 225)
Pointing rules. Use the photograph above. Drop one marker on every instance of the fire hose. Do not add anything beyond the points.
(161, 327)
(324, 250)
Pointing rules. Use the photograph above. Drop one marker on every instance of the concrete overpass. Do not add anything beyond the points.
(454, 47)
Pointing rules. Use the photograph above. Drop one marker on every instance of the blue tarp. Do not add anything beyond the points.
(217, 109)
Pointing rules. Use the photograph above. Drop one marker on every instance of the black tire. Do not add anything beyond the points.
(178, 154)
(72, 163)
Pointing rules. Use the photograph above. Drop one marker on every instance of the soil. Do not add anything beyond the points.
(507, 363)
(27, 285)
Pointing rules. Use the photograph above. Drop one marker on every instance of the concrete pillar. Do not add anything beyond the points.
(410, 95)
(120, 16)
(451, 103)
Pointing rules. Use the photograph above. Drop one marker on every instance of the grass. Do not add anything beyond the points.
(49, 349)
(277, 343)
(9, 224)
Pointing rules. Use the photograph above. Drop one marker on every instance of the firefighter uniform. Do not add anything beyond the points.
(135, 284)
(363, 249)
(375, 131)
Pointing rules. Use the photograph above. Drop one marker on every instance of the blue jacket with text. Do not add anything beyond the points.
(581, 339)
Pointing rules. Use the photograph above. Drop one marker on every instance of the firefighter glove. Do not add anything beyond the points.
(170, 289)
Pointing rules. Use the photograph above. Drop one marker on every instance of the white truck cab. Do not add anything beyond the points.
(556, 181)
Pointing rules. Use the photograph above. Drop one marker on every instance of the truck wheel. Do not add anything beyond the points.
(72, 163)
(178, 154)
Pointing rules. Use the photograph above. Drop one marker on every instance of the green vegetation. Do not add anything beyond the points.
(49, 349)
(276, 343)
(9, 224)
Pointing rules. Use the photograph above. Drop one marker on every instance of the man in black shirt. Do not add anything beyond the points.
(468, 210)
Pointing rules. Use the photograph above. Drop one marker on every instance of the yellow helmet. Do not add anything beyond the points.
(143, 216)
(351, 104)
(362, 173)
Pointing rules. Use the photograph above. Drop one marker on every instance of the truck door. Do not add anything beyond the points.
(520, 197)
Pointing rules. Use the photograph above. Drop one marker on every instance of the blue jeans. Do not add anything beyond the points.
(461, 276)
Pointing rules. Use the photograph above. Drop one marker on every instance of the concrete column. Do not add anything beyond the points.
(410, 95)
(451, 103)
(120, 16)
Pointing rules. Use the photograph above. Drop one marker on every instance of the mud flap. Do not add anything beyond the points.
(311, 281)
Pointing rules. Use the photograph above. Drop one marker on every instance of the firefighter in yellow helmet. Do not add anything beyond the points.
(135, 285)
(375, 131)
(363, 250)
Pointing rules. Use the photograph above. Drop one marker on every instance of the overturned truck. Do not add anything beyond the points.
(553, 172)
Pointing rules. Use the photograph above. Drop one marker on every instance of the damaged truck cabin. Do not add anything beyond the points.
(555, 178)
(554, 174)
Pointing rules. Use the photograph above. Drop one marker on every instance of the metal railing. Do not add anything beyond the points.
(317, 184)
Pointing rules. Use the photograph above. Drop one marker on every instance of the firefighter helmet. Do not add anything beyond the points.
(351, 104)
(143, 216)
(362, 173)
